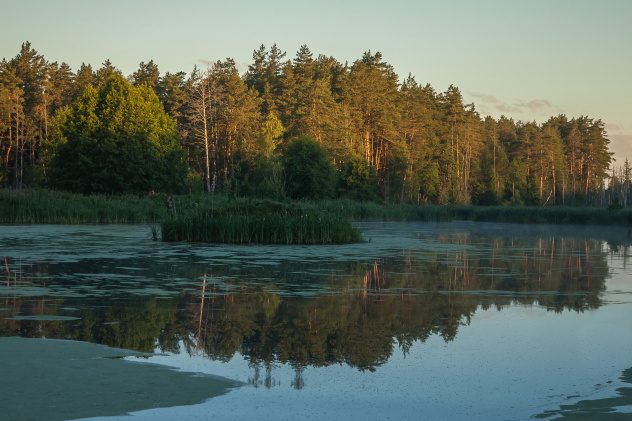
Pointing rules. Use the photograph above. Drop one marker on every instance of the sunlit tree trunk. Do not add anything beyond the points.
(204, 96)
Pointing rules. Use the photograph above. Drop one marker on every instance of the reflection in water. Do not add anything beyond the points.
(594, 409)
(392, 301)
(303, 313)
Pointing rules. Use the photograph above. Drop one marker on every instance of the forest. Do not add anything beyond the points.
(306, 127)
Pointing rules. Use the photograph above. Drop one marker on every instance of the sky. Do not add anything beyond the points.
(527, 60)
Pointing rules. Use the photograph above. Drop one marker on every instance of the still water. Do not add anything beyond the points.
(423, 321)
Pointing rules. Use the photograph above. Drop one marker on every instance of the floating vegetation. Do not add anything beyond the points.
(266, 222)
(43, 317)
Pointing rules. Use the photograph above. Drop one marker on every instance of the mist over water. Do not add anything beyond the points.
(476, 320)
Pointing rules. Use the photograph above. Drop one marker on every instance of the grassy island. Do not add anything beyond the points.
(247, 222)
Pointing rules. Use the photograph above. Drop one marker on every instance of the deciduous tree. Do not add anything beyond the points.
(116, 140)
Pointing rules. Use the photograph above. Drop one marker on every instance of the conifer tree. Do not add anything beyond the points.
(84, 77)
(172, 90)
(146, 74)
(106, 71)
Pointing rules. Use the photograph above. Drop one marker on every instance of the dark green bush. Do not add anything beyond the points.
(309, 173)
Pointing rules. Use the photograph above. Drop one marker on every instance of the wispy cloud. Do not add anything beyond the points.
(489, 99)
(535, 106)
(621, 145)
(241, 67)
(614, 127)
(207, 63)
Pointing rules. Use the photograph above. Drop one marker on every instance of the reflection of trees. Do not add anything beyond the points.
(134, 323)
(396, 301)
(621, 249)
(363, 312)
(131, 325)
(553, 273)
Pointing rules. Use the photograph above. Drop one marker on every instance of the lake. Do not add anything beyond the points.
(430, 321)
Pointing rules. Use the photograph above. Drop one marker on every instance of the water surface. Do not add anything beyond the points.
(433, 321)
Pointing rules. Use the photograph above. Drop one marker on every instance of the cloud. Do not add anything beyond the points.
(241, 67)
(489, 99)
(207, 63)
(490, 102)
(621, 145)
(623, 138)
(620, 139)
(537, 105)
(613, 127)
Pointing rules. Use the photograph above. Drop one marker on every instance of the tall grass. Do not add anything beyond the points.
(248, 221)
(361, 211)
(50, 207)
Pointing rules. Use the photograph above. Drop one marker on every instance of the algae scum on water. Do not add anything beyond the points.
(108, 385)
(262, 222)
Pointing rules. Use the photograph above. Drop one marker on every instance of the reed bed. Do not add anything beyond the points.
(366, 211)
(50, 207)
(53, 207)
(263, 222)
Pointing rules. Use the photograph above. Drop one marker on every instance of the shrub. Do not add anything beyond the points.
(309, 173)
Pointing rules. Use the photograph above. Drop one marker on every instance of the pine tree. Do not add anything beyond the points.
(418, 127)
(314, 106)
(31, 115)
(105, 73)
(238, 122)
(59, 87)
(172, 90)
(11, 123)
(374, 107)
(255, 77)
(82, 79)
(146, 74)
(453, 145)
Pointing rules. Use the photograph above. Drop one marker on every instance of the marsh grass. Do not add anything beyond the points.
(50, 207)
(264, 222)
(361, 211)
(153, 230)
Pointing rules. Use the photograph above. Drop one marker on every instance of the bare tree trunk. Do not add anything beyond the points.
(208, 169)
(204, 94)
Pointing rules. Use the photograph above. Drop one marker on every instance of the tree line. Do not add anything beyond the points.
(364, 134)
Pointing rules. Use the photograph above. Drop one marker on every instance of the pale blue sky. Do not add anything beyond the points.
(528, 60)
